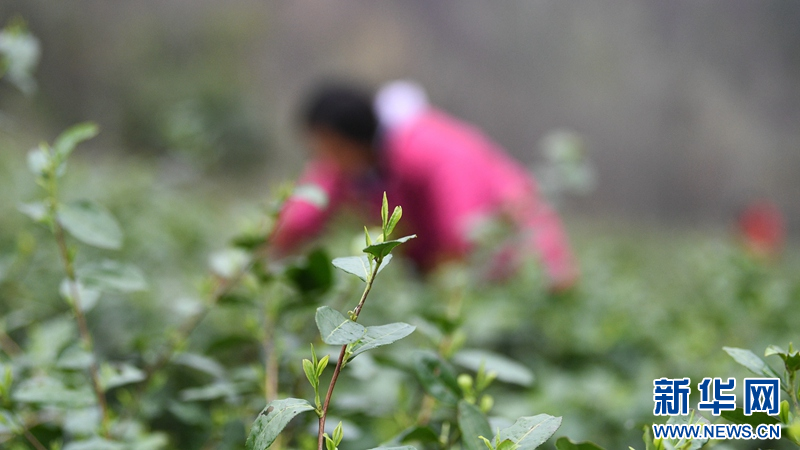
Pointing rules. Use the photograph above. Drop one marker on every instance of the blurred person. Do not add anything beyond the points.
(446, 174)
(761, 229)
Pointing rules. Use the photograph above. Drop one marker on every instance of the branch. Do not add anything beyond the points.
(72, 280)
(342, 356)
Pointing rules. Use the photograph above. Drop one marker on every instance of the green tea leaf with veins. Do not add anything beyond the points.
(472, 424)
(273, 419)
(750, 361)
(756, 418)
(383, 249)
(358, 265)
(379, 336)
(90, 223)
(531, 432)
(336, 329)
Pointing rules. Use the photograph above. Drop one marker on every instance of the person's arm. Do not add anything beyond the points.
(301, 218)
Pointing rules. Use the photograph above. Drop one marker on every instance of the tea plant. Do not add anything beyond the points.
(52, 382)
(462, 394)
(789, 416)
(186, 370)
(336, 329)
(110, 406)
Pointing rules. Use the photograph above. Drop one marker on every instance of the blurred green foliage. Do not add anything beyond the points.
(185, 343)
(651, 303)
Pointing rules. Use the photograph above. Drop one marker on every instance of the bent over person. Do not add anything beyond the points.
(446, 175)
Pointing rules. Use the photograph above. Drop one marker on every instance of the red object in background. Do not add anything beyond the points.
(762, 229)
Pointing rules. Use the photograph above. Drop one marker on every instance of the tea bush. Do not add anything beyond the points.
(119, 331)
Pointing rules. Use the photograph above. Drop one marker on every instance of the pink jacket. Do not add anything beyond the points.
(446, 175)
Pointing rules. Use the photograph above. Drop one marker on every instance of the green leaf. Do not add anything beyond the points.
(367, 238)
(160, 442)
(381, 335)
(40, 160)
(116, 375)
(783, 414)
(322, 364)
(91, 224)
(422, 434)
(394, 219)
(228, 262)
(50, 391)
(312, 194)
(248, 240)
(757, 418)
(436, 377)
(648, 439)
(337, 329)
(200, 363)
(35, 210)
(358, 265)
(383, 249)
(472, 424)
(273, 419)
(750, 361)
(692, 418)
(564, 443)
(775, 350)
(338, 434)
(531, 432)
(311, 373)
(46, 340)
(88, 297)
(95, 443)
(313, 275)
(215, 390)
(790, 359)
(75, 358)
(508, 444)
(385, 214)
(112, 276)
(506, 369)
(82, 421)
(65, 142)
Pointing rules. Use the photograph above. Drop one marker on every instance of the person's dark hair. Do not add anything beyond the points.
(343, 109)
